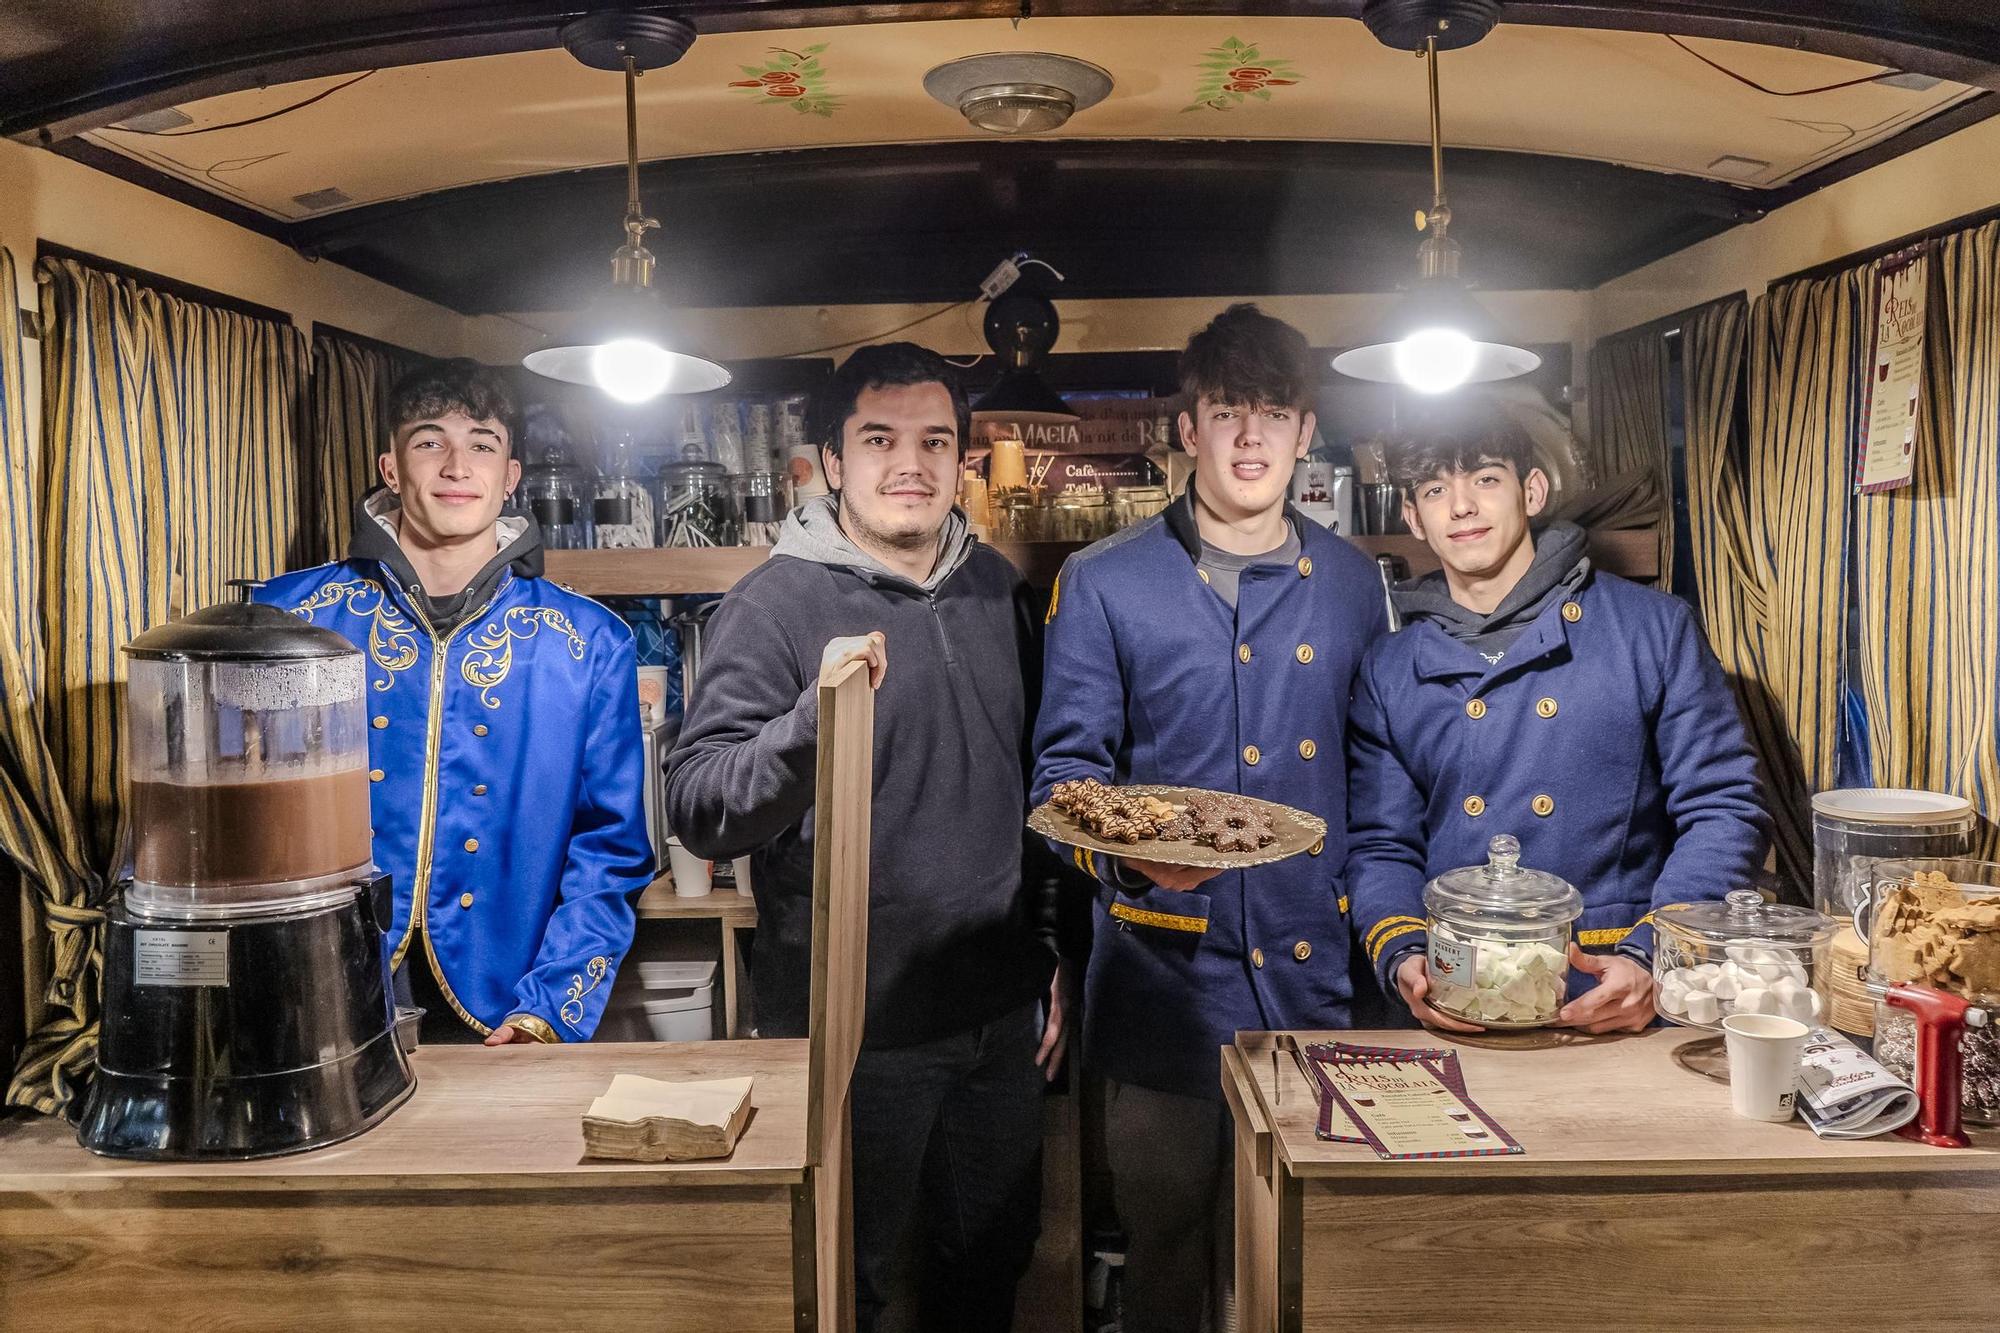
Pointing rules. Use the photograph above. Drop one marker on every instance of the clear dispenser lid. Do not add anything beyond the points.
(1503, 884)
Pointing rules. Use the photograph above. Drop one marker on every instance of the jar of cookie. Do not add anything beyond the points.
(1936, 922)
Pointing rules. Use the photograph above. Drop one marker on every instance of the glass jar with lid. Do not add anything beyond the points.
(1740, 955)
(1499, 940)
(1079, 516)
(761, 505)
(1134, 504)
(695, 505)
(1935, 922)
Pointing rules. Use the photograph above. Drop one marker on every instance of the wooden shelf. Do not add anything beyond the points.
(660, 902)
(673, 572)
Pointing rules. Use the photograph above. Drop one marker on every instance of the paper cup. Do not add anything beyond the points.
(692, 875)
(742, 867)
(1764, 1052)
(653, 690)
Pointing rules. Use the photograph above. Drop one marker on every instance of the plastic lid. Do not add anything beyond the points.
(1743, 917)
(240, 632)
(1892, 805)
(1503, 884)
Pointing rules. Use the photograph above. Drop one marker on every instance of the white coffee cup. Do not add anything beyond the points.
(1764, 1053)
(742, 867)
(693, 877)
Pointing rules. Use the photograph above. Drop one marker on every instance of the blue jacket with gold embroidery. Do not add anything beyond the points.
(1150, 677)
(506, 762)
(1606, 741)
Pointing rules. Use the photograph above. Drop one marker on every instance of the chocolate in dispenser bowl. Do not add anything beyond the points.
(247, 754)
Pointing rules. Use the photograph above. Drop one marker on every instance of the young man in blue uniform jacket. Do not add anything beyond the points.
(504, 741)
(1211, 646)
(1528, 694)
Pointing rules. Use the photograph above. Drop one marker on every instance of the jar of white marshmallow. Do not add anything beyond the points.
(1499, 940)
(1738, 956)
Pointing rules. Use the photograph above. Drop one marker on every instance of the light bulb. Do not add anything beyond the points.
(1435, 360)
(630, 370)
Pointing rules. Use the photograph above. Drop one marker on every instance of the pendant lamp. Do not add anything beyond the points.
(1438, 337)
(621, 343)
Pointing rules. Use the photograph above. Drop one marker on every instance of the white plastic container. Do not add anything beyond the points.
(682, 1016)
(693, 877)
(742, 867)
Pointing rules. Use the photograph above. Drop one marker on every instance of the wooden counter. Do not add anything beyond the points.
(1641, 1202)
(470, 1207)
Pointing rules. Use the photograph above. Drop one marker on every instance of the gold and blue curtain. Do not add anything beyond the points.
(351, 379)
(1628, 431)
(169, 464)
(1928, 555)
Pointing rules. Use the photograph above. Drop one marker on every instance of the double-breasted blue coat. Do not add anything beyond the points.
(1606, 741)
(1151, 677)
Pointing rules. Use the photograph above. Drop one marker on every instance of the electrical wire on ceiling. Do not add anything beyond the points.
(1780, 92)
(254, 120)
(885, 333)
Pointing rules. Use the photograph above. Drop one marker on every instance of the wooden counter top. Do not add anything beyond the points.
(1611, 1106)
(479, 1119)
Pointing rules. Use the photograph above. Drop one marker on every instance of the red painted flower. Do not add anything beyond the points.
(779, 77)
(748, 83)
(786, 90)
(1245, 87)
(1249, 73)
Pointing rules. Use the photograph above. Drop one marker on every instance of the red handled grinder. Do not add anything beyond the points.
(1941, 1020)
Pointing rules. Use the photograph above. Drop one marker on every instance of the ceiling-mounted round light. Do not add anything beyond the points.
(621, 343)
(1437, 338)
(1018, 92)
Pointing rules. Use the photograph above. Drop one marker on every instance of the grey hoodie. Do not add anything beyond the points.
(377, 518)
(813, 532)
(1560, 568)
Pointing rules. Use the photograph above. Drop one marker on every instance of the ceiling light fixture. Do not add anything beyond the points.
(621, 343)
(1437, 338)
(1021, 326)
(1018, 92)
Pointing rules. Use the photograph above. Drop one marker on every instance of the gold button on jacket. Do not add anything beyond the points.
(1572, 612)
(1475, 806)
(1305, 653)
(1305, 566)
(1475, 709)
(1307, 749)
(479, 730)
(376, 775)
(1256, 958)
(1543, 805)
(1302, 951)
(1250, 754)
(1316, 848)
(1243, 653)
(1545, 708)
(381, 723)
(479, 790)
(465, 900)
(472, 844)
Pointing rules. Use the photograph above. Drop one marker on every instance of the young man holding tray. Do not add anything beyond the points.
(1530, 695)
(1211, 646)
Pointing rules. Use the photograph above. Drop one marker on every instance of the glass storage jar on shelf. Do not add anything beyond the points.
(1135, 504)
(1741, 955)
(1079, 516)
(1499, 940)
(622, 513)
(695, 505)
(761, 506)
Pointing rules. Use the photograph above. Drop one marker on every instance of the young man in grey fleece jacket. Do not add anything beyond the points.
(947, 1094)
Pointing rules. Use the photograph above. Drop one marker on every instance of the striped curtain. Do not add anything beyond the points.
(170, 464)
(1628, 416)
(1733, 572)
(1928, 555)
(350, 398)
(1806, 345)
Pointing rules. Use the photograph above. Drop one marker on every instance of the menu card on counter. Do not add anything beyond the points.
(1404, 1103)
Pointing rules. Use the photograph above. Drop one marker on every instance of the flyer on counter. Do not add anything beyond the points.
(1895, 373)
(1405, 1111)
(1334, 1123)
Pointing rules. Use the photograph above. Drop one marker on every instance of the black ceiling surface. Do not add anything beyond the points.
(71, 65)
(1120, 219)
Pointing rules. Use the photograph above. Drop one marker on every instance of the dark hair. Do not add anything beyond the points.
(1246, 356)
(881, 366)
(1461, 443)
(438, 388)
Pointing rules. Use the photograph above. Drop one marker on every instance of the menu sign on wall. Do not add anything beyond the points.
(1895, 374)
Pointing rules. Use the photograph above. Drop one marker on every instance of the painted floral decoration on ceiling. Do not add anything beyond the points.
(791, 78)
(1235, 71)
